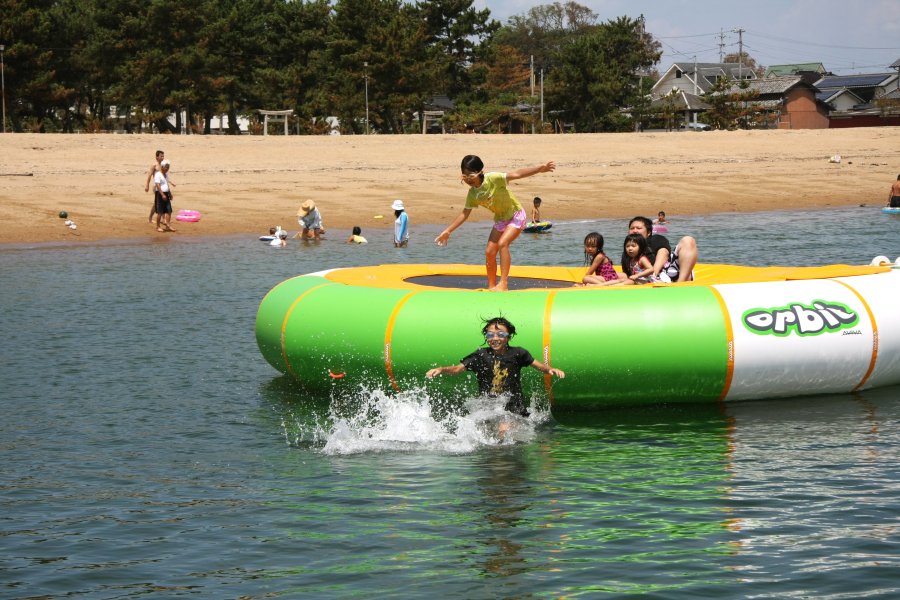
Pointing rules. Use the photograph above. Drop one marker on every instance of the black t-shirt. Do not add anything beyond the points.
(499, 374)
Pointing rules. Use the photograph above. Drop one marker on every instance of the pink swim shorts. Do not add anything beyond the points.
(517, 221)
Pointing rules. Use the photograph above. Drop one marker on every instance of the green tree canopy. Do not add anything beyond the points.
(598, 74)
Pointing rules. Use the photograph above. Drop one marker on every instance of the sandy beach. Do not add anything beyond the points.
(250, 183)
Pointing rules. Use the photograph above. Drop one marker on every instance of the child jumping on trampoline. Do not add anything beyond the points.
(490, 191)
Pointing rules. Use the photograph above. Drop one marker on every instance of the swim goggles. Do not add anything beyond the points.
(498, 334)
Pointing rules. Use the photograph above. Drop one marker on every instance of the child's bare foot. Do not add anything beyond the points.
(500, 287)
(160, 229)
(169, 228)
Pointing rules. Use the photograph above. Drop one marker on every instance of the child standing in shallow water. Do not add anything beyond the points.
(536, 210)
(490, 191)
(497, 367)
(600, 271)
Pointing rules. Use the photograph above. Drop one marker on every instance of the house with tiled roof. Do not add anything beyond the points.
(795, 69)
(864, 100)
(867, 86)
(698, 78)
(684, 107)
(842, 99)
(789, 101)
(682, 86)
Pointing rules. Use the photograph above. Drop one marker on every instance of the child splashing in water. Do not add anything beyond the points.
(600, 271)
(490, 191)
(497, 367)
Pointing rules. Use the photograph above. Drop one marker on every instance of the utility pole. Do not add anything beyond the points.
(542, 99)
(3, 81)
(366, 69)
(740, 33)
(531, 103)
(721, 45)
(695, 75)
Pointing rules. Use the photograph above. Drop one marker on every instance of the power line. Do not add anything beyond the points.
(681, 37)
(804, 43)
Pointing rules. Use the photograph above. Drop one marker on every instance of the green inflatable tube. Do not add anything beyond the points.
(332, 339)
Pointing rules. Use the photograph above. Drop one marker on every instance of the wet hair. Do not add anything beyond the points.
(647, 223)
(537, 200)
(471, 164)
(159, 153)
(357, 230)
(661, 213)
(597, 240)
(643, 250)
(272, 231)
(499, 321)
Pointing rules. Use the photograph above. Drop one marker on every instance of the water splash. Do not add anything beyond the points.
(411, 421)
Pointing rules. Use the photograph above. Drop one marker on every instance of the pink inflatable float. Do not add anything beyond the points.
(188, 216)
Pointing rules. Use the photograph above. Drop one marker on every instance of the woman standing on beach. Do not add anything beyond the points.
(490, 191)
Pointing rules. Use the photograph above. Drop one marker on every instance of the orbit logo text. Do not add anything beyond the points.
(818, 317)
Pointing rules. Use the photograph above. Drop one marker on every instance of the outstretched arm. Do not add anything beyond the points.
(547, 167)
(444, 237)
(548, 370)
(448, 370)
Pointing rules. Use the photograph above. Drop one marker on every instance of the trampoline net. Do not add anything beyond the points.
(474, 282)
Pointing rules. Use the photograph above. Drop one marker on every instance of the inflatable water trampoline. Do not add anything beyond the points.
(735, 333)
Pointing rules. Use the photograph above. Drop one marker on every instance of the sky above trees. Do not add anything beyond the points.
(846, 37)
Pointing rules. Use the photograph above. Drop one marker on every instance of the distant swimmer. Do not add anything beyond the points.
(356, 236)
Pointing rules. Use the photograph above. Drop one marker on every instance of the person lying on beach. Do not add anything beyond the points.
(497, 367)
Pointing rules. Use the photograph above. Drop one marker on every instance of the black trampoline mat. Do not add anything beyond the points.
(474, 282)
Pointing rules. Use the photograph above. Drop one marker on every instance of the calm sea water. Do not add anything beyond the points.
(148, 450)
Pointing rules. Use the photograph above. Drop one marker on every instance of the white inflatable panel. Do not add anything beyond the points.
(796, 337)
(882, 294)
